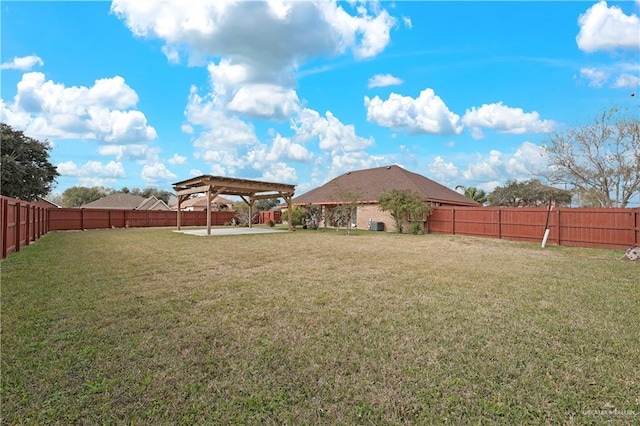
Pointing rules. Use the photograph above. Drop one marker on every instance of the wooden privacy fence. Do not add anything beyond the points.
(70, 219)
(581, 227)
(22, 223)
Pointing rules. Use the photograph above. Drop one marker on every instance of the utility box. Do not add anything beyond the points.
(376, 226)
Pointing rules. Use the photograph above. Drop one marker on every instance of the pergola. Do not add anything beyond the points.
(248, 190)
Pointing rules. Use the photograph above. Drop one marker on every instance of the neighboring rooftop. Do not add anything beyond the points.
(123, 201)
(368, 184)
(201, 202)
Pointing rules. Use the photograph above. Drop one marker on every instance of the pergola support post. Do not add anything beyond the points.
(288, 198)
(209, 211)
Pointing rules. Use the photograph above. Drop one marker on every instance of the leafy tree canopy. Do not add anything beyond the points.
(531, 193)
(600, 160)
(266, 204)
(77, 196)
(400, 203)
(474, 193)
(25, 168)
(149, 192)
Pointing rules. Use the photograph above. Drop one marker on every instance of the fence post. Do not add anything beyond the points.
(5, 226)
(18, 208)
(559, 227)
(453, 221)
(499, 223)
(636, 230)
(27, 227)
(81, 219)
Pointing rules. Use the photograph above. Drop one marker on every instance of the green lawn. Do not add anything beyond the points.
(147, 326)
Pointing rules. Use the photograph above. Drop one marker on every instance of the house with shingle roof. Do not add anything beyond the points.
(123, 201)
(367, 185)
(200, 204)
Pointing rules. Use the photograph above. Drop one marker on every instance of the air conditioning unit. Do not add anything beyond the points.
(376, 226)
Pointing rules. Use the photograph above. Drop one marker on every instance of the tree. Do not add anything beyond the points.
(77, 196)
(313, 212)
(474, 193)
(149, 192)
(25, 168)
(531, 193)
(601, 159)
(266, 204)
(296, 216)
(400, 203)
(343, 213)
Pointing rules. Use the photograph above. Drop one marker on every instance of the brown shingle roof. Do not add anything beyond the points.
(122, 201)
(118, 200)
(370, 183)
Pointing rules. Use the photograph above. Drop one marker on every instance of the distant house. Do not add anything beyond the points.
(41, 202)
(366, 186)
(200, 204)
(122, 201)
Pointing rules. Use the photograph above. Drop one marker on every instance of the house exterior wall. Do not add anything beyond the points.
(372, 212)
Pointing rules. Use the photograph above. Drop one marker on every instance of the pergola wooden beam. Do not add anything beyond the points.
(217, 185)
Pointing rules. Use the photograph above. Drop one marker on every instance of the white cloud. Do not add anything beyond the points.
(280, 172)
(258, 45)
(505, 119)
(384, 80)
(607, 28)
(485, 167)
(102, 112)
(627, 81)
(596, 77)
(222, 131)
(527, 160)
(264, 101)
(24, 63)
(441, 170)
(267, 36)
(282, 149)
(177, 159)
(425, 114)
(330, 131)
(154, 174)
(343, 162)
(487, 171)
(135, 152)
(92, 173)
(407, 22)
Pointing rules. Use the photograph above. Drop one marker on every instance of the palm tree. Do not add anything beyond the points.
(474, 193)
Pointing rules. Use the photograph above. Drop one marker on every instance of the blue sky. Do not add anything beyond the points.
(146, 93)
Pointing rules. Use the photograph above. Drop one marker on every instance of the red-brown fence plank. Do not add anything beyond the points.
(584, 227)
(72, 218)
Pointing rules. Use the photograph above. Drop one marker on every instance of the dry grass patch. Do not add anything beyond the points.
(150, 326)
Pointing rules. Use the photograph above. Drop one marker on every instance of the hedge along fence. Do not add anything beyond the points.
(581, 227)
(23, 223)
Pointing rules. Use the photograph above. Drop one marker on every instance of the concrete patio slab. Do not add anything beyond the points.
(233, 230)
